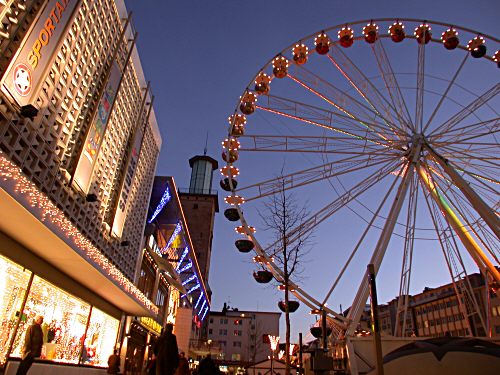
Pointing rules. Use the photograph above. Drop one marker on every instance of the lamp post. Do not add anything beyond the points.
(209, 344)
(273, 341)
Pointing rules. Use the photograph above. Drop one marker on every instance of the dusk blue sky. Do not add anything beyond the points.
(199, 57)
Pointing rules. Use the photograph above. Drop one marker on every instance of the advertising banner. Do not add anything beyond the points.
(131, 166)
(27, 70)
(95, 135)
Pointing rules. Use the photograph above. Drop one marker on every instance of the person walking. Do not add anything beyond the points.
(33, 341)
(183, 368)
(208, 366)
(167, 352)
(114, 363)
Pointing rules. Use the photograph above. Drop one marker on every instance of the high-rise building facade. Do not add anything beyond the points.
(78, 149)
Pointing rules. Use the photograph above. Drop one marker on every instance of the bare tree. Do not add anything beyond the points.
(255, 347)
(284, 217)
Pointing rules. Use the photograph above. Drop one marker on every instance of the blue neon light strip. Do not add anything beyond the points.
(203, 305)
(186, 267)
(205, 313)
(163, 201)
(199, 299)
(183, 256)
(174, 235)
(193, 289)
(189, 280)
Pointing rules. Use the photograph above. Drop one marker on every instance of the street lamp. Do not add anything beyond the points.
(209, 343)
(273, 341)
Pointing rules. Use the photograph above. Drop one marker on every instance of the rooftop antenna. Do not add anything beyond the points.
(206, 143)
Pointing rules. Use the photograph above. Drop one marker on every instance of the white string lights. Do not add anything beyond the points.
(29, 193)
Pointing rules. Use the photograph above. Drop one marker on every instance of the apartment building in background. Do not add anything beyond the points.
(437, 312)
(242, 335)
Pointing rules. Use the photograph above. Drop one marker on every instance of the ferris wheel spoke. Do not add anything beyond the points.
(419, 107)
(375, 215)
(481, 128)
(487, 192)
(456, 267)
(455, 220)
(482, 154)
(364, 87)
(392, 86)
(312, 175)
(480, 135)
(380, 248)
(307, 111)
(445, 93)
(367, 125)
(466, 111)
(328, 145)
(343, 200)
(481, 182)
(484, 210)
(406, 264)
(466, 158)
(337, 97)
(472, 222)
(298, 111)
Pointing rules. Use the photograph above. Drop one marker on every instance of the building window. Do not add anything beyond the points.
(223, 332)
(495, 311)
(210, 331)
(211, 320)
(236, 357)
(237, 344)
(237, 333)
(161, 298)
(147, 278)
(238, 322)
(65, 316)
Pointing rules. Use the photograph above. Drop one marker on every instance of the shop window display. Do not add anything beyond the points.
(100, 339)
(67, 338)
(65, 319)
(13, 285)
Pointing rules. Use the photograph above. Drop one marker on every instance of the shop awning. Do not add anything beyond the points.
(168, 272)
(22, 226)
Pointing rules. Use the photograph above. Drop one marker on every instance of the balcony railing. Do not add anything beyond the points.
(197, 191)
(204, 347)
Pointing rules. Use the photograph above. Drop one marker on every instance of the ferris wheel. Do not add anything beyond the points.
(388, 131)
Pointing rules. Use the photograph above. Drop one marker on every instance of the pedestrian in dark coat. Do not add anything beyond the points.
(167, 358)
(114, 363)
(208, 366)
(33, 342)
(183, 368)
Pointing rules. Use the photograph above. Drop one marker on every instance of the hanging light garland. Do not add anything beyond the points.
(163, 201)
(50, 213)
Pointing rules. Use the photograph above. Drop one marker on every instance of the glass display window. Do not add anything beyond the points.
(73, 331)
(65, 319)
(14, 281)
(101, 338)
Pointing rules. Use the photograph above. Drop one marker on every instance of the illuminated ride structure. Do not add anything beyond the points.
(387, 129)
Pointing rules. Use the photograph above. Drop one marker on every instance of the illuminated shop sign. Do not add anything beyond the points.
(131, 167)
(27, 70)
(150, 324)
(95, 136)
